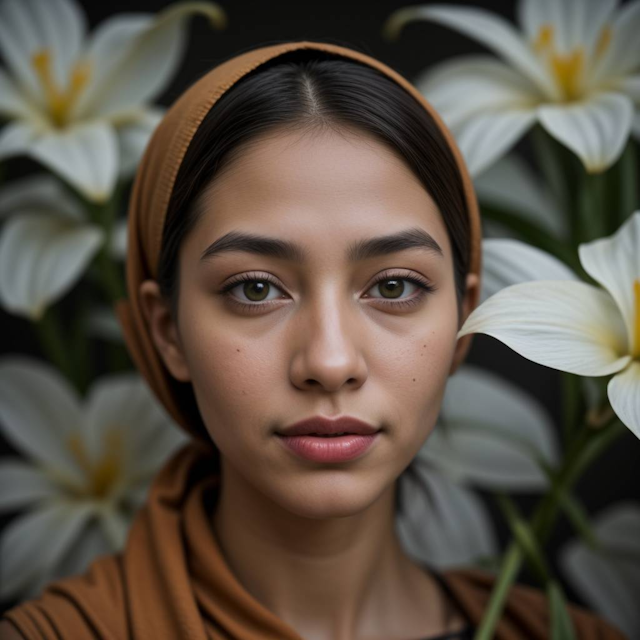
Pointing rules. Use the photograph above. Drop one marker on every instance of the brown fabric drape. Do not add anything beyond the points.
(171, 582)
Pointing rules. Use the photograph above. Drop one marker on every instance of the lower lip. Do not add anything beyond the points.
(338, 449)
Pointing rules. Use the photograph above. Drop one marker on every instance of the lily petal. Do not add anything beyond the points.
(135, 56)
(506, 261)
(486, 137)
(492, 434)
(609, 580)
(41, 258)
(624, 395)
(595, 129)
(12, 102)
(487, 28)
(623, 53)
(509, 183)
(89, 544)
(16, 138)
(39, 193)
(86, 155)
(502, 109)
(125, 401)
(28, 26)
(576, 23)
(614, 262)
(570, 326)
(23, 484)
(493, 85)
(38, 411)
(115, 527)
(134, 136)
(31, 544)
(442, 523)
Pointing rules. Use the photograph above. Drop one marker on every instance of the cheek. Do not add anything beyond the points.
(418, 369)
(231, 375)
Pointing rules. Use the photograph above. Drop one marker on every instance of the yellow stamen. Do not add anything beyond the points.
(567, 68)
(101, 476)
(59, 102)
(604, 40)
(545, 38)
(635, 346)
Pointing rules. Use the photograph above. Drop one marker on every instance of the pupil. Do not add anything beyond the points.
(260, 286)
(397, 288)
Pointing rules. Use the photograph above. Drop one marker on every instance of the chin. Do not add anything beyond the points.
(325, 497)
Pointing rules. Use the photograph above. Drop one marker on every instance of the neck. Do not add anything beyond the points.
(339, 578)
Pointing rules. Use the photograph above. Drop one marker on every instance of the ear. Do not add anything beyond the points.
(469, 302)
(164, 330)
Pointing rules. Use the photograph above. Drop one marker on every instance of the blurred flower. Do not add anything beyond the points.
(577, 327)
(80, 105)
(511, 185)
(492, 436)
(575, 68)
(45, 245)
(608, 575)
(90, 468)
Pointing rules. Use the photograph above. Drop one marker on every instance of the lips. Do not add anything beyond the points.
(322, 426)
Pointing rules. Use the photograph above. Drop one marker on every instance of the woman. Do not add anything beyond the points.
(304, 244)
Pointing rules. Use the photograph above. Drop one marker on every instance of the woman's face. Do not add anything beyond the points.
(322, 335)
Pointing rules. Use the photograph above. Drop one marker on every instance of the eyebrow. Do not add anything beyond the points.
(413, 238)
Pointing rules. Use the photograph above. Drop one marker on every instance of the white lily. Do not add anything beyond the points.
(78, 104)
(46, 244)
(491, 435)
(608, 576)
(574, 67)
(89, 469)
(576, 327)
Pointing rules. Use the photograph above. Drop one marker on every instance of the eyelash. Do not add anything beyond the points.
(424, 286)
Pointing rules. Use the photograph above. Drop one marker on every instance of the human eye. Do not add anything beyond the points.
(244, 282)
(423, 287)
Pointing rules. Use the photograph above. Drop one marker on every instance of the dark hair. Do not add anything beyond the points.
(309, 90)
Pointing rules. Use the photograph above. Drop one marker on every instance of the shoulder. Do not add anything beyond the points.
(526, 612)
(73, 606)
(9, 632)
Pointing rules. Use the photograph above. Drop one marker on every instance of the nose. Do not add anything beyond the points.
(328, 345)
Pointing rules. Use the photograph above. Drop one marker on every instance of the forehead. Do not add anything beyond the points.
(332, 186)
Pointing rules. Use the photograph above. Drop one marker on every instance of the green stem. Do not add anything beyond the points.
(591, 207)
(110, 275)
(53, 343)
(585, 447)
(571, 405)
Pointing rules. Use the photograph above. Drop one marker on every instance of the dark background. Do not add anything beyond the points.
(421, 44)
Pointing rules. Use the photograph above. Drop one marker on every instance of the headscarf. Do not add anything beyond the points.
(152, 190)
(171, 581)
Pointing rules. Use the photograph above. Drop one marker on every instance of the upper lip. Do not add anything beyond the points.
(323, 425)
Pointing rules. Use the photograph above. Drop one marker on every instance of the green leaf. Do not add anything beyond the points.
(561, 623)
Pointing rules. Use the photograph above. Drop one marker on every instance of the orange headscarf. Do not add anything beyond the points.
(171, 581)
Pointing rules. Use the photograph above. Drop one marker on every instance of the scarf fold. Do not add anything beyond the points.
(172, 582)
